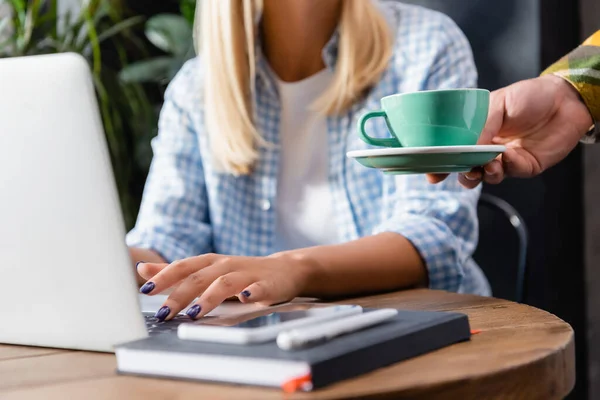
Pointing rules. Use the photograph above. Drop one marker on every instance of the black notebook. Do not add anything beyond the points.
(409, 334)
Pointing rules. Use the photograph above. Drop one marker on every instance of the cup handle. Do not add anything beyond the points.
(391, 142)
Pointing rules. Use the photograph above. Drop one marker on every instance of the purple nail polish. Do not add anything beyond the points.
(193, 311)
(162, 313)
(138, 264)
(148, 287)
(246, 293)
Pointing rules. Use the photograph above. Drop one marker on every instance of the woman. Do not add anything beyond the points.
(250, 193)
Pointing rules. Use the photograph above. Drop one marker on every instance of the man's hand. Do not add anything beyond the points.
(539, 120)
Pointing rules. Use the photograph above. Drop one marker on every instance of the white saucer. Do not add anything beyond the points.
(398, 151)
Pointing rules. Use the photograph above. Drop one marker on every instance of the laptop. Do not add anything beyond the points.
(67, 278)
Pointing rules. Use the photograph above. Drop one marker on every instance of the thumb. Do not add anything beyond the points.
(495, 119)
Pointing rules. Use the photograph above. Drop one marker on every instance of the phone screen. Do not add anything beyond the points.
(284, 316)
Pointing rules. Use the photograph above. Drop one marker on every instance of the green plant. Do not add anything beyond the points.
(173, 35)
(188, 10)
(100, 32)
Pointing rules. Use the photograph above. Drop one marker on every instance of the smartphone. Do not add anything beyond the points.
(264, 328)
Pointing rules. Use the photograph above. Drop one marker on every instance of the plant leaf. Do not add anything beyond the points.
(154, 70)
(18, 5)
(188, 10)
(93, 35)
(103, 11)
(120, 27)
(113, 31)
(49, 17)
(48, 44)
(170, 33)
(4, 24)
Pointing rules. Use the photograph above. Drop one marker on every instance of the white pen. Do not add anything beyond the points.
(310, 335)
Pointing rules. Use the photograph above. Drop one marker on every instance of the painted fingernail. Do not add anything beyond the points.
(148, 287)
(193, 311)
(246, 293)
(162, 313)
(138, 264)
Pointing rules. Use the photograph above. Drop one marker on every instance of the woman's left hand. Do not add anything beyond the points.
(214, 278)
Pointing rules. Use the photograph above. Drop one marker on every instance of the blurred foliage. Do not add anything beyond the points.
(188, 10)
(173, 35)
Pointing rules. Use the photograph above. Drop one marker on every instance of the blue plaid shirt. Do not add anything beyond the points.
(189, 208)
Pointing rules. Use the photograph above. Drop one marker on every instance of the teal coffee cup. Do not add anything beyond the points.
(454, 117)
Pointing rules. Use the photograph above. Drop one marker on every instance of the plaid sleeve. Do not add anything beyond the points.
(453, 65)
(439, 220)
(581, 68)
(441, 223)
(173, 217)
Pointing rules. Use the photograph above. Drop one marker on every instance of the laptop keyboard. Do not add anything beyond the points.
(155, 326)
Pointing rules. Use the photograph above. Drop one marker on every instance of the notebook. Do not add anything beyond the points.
(409, 334)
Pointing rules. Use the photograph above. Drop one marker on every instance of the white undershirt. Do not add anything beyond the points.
(304, 203)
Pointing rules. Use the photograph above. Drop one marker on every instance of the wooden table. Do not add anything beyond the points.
(521, 352)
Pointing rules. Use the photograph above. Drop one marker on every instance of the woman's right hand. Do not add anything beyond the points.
(539, 120)
(205, 281)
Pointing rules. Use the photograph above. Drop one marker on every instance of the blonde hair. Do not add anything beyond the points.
(225, 35)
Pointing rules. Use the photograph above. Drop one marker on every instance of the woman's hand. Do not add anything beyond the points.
(215, 278)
